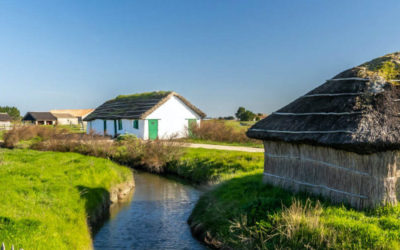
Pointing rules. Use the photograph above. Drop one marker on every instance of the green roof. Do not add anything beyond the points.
(145, 95)
(387, 67)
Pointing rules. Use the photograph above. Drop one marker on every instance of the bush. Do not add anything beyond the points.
(218, 130)
(127, 137)
(127, 149)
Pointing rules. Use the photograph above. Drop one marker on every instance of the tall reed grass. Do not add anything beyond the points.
(219, 130)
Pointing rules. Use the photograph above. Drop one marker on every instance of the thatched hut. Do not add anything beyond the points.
(340, 140)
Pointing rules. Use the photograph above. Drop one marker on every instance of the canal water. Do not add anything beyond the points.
(154, 218)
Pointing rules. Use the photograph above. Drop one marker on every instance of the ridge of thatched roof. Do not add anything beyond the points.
(4, 117)
(353, 112)
(136, 106)
(386, 67)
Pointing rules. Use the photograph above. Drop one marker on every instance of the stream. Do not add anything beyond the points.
(154, 218)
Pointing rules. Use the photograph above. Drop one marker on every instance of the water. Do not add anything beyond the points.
(155, 218)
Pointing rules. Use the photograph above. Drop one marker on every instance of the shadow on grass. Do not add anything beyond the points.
(97, 205)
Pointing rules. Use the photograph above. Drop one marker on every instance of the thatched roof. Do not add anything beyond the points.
(136, 106)
(358, 110)
(4, 117)
(39, 116)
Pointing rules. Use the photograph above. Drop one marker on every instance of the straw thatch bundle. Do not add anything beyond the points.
(340, 140)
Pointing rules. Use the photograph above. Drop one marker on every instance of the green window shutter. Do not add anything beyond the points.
(136, 124)
(105, 125)
(119, 124)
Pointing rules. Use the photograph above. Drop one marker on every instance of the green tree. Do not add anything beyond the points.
(240, 112)
(11, 111)
(245, 115)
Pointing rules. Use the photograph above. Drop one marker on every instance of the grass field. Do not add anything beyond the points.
(46, 197)
(244, 213)
(203, 166)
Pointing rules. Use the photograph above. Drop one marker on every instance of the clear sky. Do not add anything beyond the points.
(218, 54)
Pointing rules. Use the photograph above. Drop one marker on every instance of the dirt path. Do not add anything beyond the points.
(223, 147)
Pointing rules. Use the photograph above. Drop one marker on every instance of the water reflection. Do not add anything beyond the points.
(154, 219)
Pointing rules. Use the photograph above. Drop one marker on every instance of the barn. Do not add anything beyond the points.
(79, 114)
(5, 121)
(149, 115)
(40, 118)
(65, 119)
(340, 140)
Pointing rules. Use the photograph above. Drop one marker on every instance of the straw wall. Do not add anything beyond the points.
(360, 180)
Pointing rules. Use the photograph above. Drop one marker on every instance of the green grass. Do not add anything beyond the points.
(244, 213)
(241, 144)
(75, 129)
(212, 166)
(46, 197)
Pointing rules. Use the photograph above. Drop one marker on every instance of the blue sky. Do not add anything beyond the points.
(218, 54)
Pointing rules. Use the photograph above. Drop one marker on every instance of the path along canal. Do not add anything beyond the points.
(154, 218)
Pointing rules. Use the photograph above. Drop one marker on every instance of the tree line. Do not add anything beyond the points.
(13, 112)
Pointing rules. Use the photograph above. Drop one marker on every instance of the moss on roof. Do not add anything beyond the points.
(387, 67)
(145, 95)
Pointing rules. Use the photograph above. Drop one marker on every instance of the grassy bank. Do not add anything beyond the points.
(198, 166)
(207, 166)
(46, 197)
(244, 213)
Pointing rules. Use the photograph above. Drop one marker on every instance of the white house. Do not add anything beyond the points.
(148, 115)
(5, 121)
(78, 114)
(65, 119)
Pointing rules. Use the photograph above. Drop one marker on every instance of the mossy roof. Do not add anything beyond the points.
(386, 68)
(136, 106)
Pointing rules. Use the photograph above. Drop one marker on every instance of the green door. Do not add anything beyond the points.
(153, 129)
(191, 123)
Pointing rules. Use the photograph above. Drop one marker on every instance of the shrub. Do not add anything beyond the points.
(126, 137)
(127, 149)
(217, 130)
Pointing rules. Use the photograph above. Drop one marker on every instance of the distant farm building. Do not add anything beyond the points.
(65, 119)
(342, 139)
(72, 116)
(147, 115)
(40, 118)
(5, 121)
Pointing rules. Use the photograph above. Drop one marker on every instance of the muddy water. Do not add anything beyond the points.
(154, 218)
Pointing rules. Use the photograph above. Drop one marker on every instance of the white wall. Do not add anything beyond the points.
(127, 128)
(5, 125)
(67, 121)
(172, 119)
